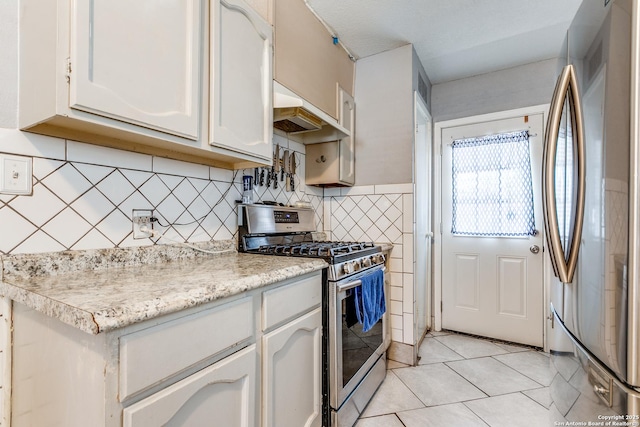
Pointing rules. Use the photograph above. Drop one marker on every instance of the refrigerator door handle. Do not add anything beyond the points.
(564, 266)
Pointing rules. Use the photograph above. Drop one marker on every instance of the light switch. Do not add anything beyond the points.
(15, 174)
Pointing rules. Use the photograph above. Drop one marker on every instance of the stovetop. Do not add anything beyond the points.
(316, 249)
(345, 258)
(286, 231)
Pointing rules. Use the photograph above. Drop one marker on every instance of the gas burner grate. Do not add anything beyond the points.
(315, 249)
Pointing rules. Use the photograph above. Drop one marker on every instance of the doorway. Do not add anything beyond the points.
(491, 259)
(423, 170)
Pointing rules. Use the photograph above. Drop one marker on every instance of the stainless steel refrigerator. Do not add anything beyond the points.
(591, 219)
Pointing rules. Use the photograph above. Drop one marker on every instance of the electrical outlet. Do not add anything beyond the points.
(140, 218)
(15, 175)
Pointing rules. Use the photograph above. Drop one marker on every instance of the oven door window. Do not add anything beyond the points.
(357, 346)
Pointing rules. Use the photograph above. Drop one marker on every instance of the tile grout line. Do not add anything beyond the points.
(518, 371)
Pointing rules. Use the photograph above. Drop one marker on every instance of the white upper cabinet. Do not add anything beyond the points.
(138, 62)
(185, 79)
(347, 111)
(241, 79)
(333, 163)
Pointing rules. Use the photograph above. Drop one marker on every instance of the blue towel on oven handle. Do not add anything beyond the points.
(369, 299)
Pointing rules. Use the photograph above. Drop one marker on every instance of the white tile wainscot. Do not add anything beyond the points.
(381, 213)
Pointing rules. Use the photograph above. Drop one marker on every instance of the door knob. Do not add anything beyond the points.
(534, 249)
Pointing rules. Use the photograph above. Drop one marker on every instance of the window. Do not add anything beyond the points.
(492, 192)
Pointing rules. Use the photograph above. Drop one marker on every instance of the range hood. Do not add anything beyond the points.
(296, 120)
(302, 121)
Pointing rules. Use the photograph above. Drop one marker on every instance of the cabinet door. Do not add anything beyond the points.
(222, 394)
(292, 387)
(347, 145)
(138, 62)
(241, 117)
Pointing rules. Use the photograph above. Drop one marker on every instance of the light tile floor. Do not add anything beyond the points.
(464, 381)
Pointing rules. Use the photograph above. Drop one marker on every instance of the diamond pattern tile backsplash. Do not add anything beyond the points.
(375, 217)
(83, 197)
(81, 205)
(383, 214)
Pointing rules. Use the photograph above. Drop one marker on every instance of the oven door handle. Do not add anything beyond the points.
(353, 284)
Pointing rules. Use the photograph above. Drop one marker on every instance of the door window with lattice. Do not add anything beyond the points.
(492, 192)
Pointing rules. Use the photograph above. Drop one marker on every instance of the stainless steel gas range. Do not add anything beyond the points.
(354, 352)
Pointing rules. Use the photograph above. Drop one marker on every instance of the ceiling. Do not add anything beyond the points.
(454, 39)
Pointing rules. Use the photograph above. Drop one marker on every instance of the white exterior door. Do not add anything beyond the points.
(139, 62)
(492, 258)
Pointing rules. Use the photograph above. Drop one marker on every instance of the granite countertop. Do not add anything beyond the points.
(385, 246)
(103, 290)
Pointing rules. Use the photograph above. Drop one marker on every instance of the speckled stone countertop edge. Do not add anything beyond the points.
(385, 246)
(196, 298)
(118, 317)
(68, 314)
(105, 299)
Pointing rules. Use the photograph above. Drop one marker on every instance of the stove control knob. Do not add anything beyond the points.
(366, 262)
(378, 259)
(356, 265)
(348, 268)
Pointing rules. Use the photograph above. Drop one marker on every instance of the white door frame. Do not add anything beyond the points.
(437, 204)
(422, 277)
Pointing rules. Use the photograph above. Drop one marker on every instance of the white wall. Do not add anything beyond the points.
(384, 96)
(9, 63)
(384, 118)
(503, 90)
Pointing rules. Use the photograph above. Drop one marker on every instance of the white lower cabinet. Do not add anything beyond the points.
(222, 394)
(203, 366)
(292, 378)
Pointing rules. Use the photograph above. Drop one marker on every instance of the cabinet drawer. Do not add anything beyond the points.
(223, 394)
(289, 301)
(151, 355)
